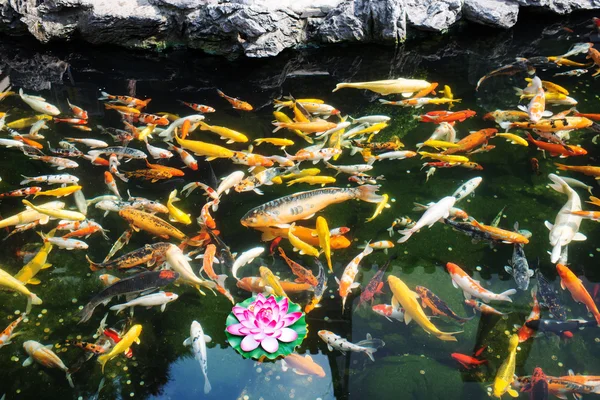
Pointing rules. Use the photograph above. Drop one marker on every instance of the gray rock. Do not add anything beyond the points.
(345, 23)
(562, 6)
(497, 13)
(388, 20)
(230, 28)
(433, 15)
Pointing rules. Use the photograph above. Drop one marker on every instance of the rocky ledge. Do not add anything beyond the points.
(256, 28)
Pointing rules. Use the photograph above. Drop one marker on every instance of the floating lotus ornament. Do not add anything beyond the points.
(268, 327)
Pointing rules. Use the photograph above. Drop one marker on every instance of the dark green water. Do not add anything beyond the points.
(412, 364)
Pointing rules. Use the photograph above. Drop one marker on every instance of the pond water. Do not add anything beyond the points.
(412, 364)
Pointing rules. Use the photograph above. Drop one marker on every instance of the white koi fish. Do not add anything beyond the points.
(229, 181)
(566, 225)
(434, 213)
(155, 299)
(467, 188)
(39, 104)
(43, 355)
(198, 342)
(368, 346)
(245, 258)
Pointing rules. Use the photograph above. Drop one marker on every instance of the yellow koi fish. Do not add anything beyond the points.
(146, 132)
(444, 157)
(313, 180)
(299, 245)
(57, 213)
(282, 143)
(132, 336)
(175, 214)
(27, 122)
(269, 279)
(412, 309)
(150, 223)
(9, 283)
(514, 139)
(210, 151)
(380, 206)
(324, 239)
(506, 372)
(60, 192)
(225, 133)
(371, 129)
(27, 274)
(551, 87)
(30, 215)
(440, 144)
(302, 173)
(389, 86)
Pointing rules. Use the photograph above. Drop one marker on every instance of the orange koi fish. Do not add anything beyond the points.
(472, 141)
(304, 275)
(24, 192)
(236, 103)
(557, 149)
(126, 100)
(568, 280)
(501, 234)
(201, 108)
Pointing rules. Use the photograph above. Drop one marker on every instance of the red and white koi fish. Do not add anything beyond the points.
(78, 111)
(346, 284)
(389, 311)
(186, 157)
(472, 288)
(8, 334)
(109, 180)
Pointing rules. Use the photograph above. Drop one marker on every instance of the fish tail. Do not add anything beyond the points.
(104, 96)
(35, 299)
(368, 193)
(340, 86)
(69, 378)
(103, 359)
(221, 93)
(559, 184)
(405, 237)
(369, 352)
(449, 336)
(93, 266)
(561, 167)
(86, 314)
(207, 387)
(504, 295)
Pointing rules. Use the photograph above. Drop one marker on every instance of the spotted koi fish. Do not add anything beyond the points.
(437, 305)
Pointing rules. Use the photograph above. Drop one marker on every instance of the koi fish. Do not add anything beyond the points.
(236, 103)
(501, 234)
(549, 297)
(126, 100)
(437, 305)
(201, 108)
(374, 286)
(318, 289)
(56, 213)
(434, 213)
(473, 288)
(24, 192)
(147, 254)
(302, 365)
(210, 151)
(124, 344)
(437, 117)
(175, 214)
(225, 133)
(8, 334)
(44, 356)
(77, 111)
(406, 87)
(155, 299)
(551, 125)
(389, 311)
(346, 283)
(134, 284)
(568, 280)
(412, 310)
(271, 281)
(186, 157)
(368, 346)
(198, 342)
(469, 362)
(58, 162)
(505, 375)
(524, 331)
(38, 104)
(566, 225)
(281, 143)
(178, 262)
(119, 243)
(304, 275)
(324, 236)
(303, 205)
(482, 307)
(151, 223)
(246, 258)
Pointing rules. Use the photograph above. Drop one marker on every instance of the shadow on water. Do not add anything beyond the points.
(412, 364)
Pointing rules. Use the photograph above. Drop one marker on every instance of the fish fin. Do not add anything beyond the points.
(508, 270)
(512, 392)
(284, 366)
(395, 304)
(579, 237)
(548, 225)
(407, 95)
(407, 318)
(46, 266)
(522, 108)
(207, 339)
(187, 342)
(28, 362)
(34, 281)
(454, 284)
(329, 347)
(354, 285)
(467, 295)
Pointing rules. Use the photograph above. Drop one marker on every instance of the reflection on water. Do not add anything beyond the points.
(412, 364)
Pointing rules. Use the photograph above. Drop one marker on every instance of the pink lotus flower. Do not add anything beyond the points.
(264, 323)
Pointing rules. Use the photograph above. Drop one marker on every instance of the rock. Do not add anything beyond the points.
(561, 6)
(230, 28)
(255, 28)
(496, 13)
(433, 15)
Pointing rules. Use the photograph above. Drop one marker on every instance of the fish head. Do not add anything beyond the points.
(257, 217)
(30, 346)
